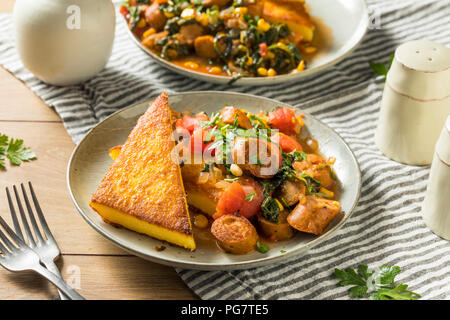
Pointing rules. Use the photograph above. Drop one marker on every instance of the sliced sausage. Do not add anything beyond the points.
(228, 115)
(291, 191)
(204, 47)
(257, 156)
(313, 216)
(189, 32)
(154, 17)
(316, 167)
(218, 3)
(276, 231)
(152, 41)
(235, 234)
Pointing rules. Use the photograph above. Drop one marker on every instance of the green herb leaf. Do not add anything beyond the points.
(384, 276)
(270, 210)
(399, 292)
(380, 69)
(3, 140)
(231, 179)
(13, 150)
(261, 247)
(16, 153)
(250, 196)
(387, 274)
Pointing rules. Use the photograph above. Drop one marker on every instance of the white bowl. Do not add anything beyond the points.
(347, 19)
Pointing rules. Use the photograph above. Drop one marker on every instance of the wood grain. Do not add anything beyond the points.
(107, 272)
(100, 277)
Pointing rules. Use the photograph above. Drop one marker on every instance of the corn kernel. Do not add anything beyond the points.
(169, 14)
(262, 71)
(300, 120)
(236, 170)
(240, 10)
(269, 55)
(301, 66)
(215, 70)
(327, 192)
(188, 13)
(271, 72)
(201, 221)
(142, 23)
(249, 61)
(263, 26)
(279, 205)
(310, 49)
(191, 65)
(148, 33)
(336, 203)
(202, 19)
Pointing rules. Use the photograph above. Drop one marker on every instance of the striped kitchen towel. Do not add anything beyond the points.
(386, 227)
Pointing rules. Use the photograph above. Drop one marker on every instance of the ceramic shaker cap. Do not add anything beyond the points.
(416, 102)
(421, 70)
(436, 206)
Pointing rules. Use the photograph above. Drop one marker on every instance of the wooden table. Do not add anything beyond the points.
(106, 272)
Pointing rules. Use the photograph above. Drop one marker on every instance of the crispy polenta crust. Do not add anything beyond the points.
(143, 190)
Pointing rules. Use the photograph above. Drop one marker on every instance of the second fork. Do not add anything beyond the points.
(43, 243)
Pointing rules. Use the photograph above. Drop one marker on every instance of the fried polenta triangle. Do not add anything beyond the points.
(143, 190)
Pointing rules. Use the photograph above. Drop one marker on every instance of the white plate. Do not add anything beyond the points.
(346, 19)
(90, 161)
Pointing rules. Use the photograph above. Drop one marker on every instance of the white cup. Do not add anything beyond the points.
(64, 42)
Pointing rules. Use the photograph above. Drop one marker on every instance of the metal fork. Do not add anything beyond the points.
(43, 247)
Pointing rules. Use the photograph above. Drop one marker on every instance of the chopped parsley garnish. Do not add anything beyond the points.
(250, 196)
(261, 247)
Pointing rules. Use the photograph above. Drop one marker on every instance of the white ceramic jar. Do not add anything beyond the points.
(436, 206)
(415, 103)
(64, 42)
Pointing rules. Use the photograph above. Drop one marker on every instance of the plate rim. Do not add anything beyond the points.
(214, 266)
(362, 29)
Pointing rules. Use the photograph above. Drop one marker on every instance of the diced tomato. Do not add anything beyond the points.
(162, 1)
(207, 146)
(231, 201)
(200, 140)
(287, 143)
(254, 197)
(284, 120)
(263, 49)
(244, 197)
(124, 11)
(133, 3)
(189, 123)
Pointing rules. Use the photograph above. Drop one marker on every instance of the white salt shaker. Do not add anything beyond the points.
(436, 206)
(64, 42)
(415, 103)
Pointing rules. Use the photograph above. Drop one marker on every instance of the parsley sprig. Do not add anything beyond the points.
(379, 283)
(14, 150)
(381, 69)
